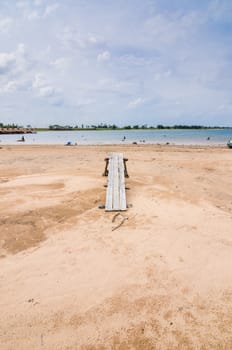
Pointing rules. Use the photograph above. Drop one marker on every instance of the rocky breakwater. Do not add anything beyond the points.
(8, 131)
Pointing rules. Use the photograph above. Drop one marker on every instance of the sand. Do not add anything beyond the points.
(163, 280)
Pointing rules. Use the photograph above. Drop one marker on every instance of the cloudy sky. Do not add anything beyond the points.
(116, 61)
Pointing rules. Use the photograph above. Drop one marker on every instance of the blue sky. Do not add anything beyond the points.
(124, 62)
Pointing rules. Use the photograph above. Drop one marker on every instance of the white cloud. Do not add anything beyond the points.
(37, 10)
(13, 62)
(46, 91)
(115, 86)
(11, 86)
(61, 63)
(5, 24)
(15, 69)
(160, 75)
(21, 4)
(104, 56)
(39, 81)
(136, 103)
(164, 31)
(49, 9)
(7, 62)
(225, 108)
(21, 49)
(133, 60)
(38, 2)
(14, 86)
(32, 15)
(73, 38)
(43, 86)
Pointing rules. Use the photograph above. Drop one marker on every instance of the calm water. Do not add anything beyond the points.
(177, 137)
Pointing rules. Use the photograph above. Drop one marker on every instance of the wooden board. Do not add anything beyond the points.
(116, 194)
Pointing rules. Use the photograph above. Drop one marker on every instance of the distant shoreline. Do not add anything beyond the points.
(133, 129)
(16, 129)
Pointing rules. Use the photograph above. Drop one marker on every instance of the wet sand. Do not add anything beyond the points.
(162, 280)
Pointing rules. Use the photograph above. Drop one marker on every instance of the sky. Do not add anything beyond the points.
(74, 62)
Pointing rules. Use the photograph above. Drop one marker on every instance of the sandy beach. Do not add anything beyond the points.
(162, 280)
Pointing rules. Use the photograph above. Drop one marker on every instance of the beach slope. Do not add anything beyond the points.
(162, 280)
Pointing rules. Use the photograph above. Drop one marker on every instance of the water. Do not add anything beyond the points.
(177, 137)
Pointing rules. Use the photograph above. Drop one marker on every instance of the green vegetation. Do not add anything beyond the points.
(104, 126)
(9, 126)
(84, 127)
(14, 126)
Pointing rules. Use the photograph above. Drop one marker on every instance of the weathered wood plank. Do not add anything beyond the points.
(122, 191)
(109, 192)
(116, 194)
(115, 183)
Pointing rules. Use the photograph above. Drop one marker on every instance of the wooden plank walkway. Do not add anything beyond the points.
(116, 193)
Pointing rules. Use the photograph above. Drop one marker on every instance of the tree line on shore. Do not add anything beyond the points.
(13, 126)
(105, 126)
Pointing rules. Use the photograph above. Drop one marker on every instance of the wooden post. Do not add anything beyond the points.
(106, 171)
(125, 168)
